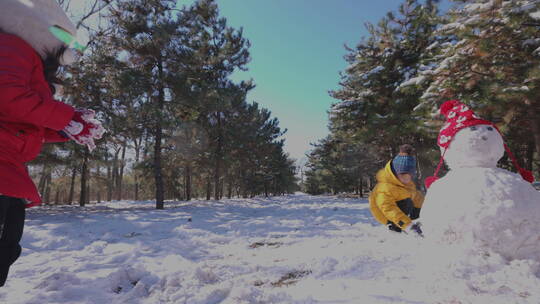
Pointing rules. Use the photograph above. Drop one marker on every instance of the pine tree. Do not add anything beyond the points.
(215, 51)
(381, 89)
(491, 63)
(145, 30)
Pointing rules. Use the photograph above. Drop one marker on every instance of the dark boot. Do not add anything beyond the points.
(12, 214)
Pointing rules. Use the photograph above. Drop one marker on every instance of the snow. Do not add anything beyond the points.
(474, 20)
(517, 89)
(445, 64)
(413, 81)
(452, 26)
(527, 6)
(534, 41)
(375, 70)
(479, 7)
(433, 45)
(290, 249)
(427, 95)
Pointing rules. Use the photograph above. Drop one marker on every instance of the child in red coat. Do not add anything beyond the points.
(30, 55)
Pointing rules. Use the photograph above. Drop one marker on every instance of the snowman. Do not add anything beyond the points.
(477, 205)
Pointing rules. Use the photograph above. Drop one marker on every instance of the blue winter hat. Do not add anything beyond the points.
(404, 164)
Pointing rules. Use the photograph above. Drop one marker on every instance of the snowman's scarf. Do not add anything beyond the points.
(431, 179)
(525, 174)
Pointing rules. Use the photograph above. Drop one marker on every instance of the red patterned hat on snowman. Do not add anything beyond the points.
(459, 116)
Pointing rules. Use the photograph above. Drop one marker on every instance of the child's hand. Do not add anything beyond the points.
(415, 227)
(84, 128)
(393, 227)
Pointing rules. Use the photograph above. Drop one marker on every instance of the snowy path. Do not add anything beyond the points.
(293, 249)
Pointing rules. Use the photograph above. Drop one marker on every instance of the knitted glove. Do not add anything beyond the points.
(415, 227)
(84, 128)
(393, 227)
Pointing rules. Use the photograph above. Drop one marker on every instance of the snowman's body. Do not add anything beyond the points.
(478, 204)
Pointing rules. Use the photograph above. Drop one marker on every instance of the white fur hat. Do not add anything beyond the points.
(31, 20)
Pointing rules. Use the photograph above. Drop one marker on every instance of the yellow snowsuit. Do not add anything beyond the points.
(383, 200)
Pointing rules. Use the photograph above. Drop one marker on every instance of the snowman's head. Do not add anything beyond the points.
(467, 140)
(475, 146)
(35, 21)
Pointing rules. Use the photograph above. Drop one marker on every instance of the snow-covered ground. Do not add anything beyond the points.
(292, 249)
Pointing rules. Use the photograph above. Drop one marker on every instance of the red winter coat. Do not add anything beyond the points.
(29, 116)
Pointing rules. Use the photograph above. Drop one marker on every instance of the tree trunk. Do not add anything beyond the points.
(158, 136)
(216, 179)
(121, 173)
(43, 178)
(136, 187)
(88, 192)
(109, 181)
(135, 173)
(536, 131)
(47, 194)
(208, 188)
(57, 196)
(529, 157)
(217, 172)
(221, 186)
(115, 174)
(98, 183)
(72, 185)
(243, 188)
(230, 187)
(84, 176)
(157, 168)
(535, 122)
(187, 178)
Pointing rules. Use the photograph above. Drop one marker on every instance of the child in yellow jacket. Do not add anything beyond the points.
(395, 201)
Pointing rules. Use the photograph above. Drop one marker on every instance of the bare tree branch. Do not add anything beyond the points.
(95, 9)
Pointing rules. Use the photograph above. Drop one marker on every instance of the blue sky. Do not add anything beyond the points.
(297, 53)
(297, 49)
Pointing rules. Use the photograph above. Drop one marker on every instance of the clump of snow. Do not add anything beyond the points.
(479, 7)
(373, 71)
(445, 64)
(517, 89)
(452, 26)
(525, 7)
(534, 41)
(413, 81)
(433, 45)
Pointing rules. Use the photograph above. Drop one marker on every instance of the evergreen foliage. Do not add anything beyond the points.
(483, 52)
(159, 77)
